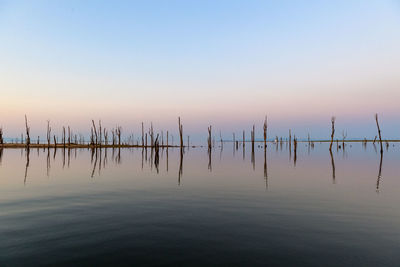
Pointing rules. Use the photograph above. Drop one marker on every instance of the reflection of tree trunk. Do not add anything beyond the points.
(105, 158)
(119, 155)
(180, 166)
(379, 173)
(69, 156)
(100, 159)
(142, 155)
(295, 150)
(63, 157)
(167, 156)
(333, 168)
(253, 160)
(95, 163)
(48, 162)
(265, 167)
(27, 163)
(220, 153)
(209, 159)
(1, 154)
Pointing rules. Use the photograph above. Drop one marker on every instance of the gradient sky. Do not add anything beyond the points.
(227, 63)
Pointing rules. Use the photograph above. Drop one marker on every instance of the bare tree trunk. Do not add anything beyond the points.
(180, 131)
(63, 137)
(142, 135)
(333, 132)
(1, 136)
(95, 132)
(209, 142)
(265, 132)
(244, 138)
(379, 131)
(252, 139)
(69, 137)
(119, 135)
(48, 134)
(100, 132)
(28, 139)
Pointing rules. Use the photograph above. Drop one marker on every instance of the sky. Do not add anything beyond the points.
(224, 63)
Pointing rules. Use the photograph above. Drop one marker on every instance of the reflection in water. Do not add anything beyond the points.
(157, 151)
(253, 159)
(180, 173)
(98, 159)
(27, 164)
(209, 158)
(48, 162)
(265, 167)
(94, 152)
(166, 154)
(228, 206)
(63, 159)
(295, 150)
(333, 168)
(379, 173)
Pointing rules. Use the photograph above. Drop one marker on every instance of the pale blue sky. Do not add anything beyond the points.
(222, 62)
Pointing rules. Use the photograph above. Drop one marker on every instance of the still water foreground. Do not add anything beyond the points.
(233, 207)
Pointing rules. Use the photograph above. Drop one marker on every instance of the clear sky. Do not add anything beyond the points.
(227, 63)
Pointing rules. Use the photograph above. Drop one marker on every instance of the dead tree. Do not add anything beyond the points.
(180, 132)
(113, 137)
(252, 139)
(220, 137)
(244, 138)
(142, 135)
(265, 131)
(105, 136)
(69, 136)
(151, 133)
(28, 138)
(55, 141)
(63, 137)
(167, 138)
(209, 142)
(95, 132)
(100, 132)
(333, 132)
(48, 134)
(1, 136)
(379, 131)
(118, 131)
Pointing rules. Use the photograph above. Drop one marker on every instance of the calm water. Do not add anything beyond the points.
(121, 208)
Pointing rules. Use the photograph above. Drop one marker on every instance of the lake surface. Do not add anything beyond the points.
(235, 208)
